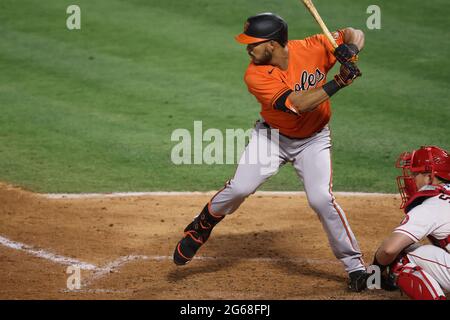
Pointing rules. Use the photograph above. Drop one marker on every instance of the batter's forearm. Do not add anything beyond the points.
(308, 100)
(354, 36)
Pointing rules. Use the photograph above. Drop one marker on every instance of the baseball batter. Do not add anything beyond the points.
(289, 80)
(421, 271)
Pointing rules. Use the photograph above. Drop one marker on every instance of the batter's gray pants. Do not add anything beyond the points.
(312, 162)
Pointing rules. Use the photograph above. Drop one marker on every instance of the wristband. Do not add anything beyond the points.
(354, 47)
(331, 87)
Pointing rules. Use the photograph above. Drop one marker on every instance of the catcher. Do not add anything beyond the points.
(420, 271)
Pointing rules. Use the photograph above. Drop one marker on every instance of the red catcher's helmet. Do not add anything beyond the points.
(427, 159)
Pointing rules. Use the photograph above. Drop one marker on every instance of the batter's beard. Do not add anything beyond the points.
(267, 57)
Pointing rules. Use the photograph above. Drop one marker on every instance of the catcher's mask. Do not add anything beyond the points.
(427, 159)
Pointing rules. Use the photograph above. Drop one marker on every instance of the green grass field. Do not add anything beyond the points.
(92, 110)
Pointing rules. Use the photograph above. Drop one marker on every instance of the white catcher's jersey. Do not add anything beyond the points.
(431, 218)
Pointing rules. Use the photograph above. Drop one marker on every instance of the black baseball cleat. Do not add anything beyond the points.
(195, 235)
(358, 280)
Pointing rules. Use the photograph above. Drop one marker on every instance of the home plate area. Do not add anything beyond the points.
(120, 247)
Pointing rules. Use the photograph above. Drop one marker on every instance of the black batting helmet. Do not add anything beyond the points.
(263, 27)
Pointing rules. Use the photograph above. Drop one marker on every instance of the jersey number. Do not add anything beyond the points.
(444, 197)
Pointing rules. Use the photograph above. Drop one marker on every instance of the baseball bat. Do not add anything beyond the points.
(312, 9)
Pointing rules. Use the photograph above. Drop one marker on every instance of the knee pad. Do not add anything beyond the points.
(417, 284)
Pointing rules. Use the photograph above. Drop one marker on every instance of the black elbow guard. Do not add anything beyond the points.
(280, 103)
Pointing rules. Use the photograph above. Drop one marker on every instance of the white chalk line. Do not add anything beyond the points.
(46, 254)
(95, 291)
(98, 272)
(207, 193)
(114, 266)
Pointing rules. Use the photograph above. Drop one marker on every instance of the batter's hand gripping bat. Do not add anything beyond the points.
(312, 9)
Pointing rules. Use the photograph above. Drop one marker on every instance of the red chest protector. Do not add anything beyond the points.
(418, 199)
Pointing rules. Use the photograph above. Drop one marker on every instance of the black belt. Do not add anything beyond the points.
(265, 124)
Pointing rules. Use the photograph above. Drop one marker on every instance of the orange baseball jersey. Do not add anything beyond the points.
(309, 61)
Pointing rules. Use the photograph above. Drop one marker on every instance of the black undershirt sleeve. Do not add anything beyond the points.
(280, 103)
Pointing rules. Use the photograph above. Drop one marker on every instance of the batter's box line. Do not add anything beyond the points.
(114, 266)
(44, 254)
(95, 291)
(117, 264)
(98, 272)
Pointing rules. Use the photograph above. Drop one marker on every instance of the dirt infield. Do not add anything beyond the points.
(273, 247)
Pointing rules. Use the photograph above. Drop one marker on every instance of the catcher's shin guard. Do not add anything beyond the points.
(195, 235)
(418, 284)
